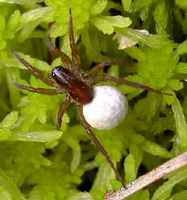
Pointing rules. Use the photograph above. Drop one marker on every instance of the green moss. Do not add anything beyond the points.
(40, 162)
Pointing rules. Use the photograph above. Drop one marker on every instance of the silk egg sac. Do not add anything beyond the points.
(107, 108)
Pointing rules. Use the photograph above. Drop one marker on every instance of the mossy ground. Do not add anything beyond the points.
(39, 162)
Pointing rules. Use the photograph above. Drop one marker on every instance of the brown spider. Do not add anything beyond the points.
(78, 87)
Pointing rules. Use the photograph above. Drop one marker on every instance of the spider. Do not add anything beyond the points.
(78, 87)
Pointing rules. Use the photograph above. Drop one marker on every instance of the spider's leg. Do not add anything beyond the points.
(74, 51)
(121, 81)
(38, 90)
(97, 68)
(97, 142)
(62, 109)
(36, 72)
(56, 52)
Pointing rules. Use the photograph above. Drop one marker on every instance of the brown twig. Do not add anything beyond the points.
(152, 176)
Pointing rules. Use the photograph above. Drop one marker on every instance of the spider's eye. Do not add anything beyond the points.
(56, 72)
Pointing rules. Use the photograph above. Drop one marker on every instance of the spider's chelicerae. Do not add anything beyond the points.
(80, 89)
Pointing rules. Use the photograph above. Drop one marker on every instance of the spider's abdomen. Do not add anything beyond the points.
(76, 88)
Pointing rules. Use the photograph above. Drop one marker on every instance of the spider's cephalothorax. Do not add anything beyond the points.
(77, 89)
(85, 96)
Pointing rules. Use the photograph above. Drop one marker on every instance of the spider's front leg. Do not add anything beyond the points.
(74, 50)
(97, 142)
(56, 52)
(38, 90)
(36, 72)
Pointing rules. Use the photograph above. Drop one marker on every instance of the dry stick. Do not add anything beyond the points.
(152, 176)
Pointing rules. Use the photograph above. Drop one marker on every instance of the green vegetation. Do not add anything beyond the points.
(39, 162)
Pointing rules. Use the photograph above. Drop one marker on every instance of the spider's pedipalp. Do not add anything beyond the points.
(62, 109)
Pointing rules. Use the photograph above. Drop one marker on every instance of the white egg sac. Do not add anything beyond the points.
(108, 107)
